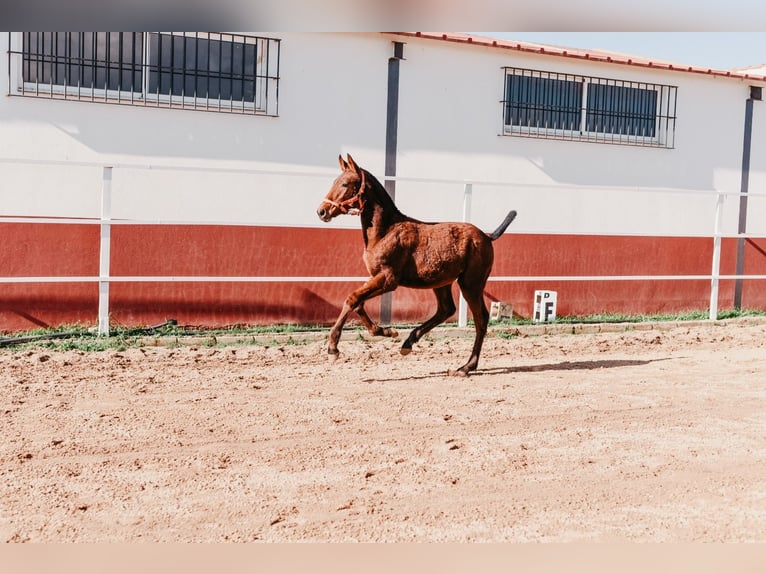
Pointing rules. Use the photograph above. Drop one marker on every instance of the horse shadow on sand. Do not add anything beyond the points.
(592, 365)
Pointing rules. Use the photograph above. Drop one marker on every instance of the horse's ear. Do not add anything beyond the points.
(352, 163)
(342, 162)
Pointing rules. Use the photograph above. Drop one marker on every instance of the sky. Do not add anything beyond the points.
(717, 50)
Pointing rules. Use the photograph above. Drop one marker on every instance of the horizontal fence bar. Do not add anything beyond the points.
(168, 167)
(96, 221)
(298, 279)
(625, 278)
(177, 279)
(61, 279)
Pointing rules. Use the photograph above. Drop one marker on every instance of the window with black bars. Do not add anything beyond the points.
(194, 70)
(586, 108)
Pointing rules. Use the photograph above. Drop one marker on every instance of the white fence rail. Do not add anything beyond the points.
(105, 221)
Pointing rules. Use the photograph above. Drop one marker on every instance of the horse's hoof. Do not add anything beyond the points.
(387, 332)
(332, 357)
(457, 373)
(405, 351)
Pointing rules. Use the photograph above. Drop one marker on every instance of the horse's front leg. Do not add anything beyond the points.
(377, 285)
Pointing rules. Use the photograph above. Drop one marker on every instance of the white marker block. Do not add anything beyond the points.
(545, 306)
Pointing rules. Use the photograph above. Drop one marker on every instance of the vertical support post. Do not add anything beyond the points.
(755, 94)
(462, 312)
(392, 125)
(716, 270)
(105, 252)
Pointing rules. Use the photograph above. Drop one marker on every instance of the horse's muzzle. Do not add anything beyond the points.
(324, 212)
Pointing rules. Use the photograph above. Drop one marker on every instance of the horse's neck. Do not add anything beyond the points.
(379, 213)
(375, 224)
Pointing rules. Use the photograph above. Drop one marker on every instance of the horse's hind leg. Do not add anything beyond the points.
(474, 296)
(372, 327)
(444, 310)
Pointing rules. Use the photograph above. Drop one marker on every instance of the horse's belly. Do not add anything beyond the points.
(423, 283)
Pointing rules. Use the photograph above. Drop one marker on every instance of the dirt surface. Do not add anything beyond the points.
(644, 435)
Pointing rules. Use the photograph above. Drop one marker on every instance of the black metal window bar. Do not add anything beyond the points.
(585, 108)
(207, 71)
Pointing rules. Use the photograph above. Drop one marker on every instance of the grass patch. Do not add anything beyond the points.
(693, 315)
(77, 337)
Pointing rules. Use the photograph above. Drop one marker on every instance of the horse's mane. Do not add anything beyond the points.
(382, 198)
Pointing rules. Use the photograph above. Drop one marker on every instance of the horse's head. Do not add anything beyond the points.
(346, 193)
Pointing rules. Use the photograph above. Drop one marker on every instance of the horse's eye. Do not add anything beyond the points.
(344, 185)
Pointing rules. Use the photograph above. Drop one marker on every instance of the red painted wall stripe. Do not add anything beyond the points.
(51, 249)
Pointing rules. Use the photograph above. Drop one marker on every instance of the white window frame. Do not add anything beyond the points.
(267, 59)
(662, 135)
(543, 131)
(191, 101)
(79, 92)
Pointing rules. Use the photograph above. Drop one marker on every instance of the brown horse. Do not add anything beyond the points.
(402, 251)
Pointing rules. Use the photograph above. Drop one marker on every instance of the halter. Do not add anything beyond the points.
(347, 206)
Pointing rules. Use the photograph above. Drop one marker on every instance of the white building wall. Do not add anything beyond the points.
(451, 120)
(332, 99)
(326, 104)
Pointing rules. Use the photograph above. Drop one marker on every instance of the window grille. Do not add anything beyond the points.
(197, 70)
(585, 108)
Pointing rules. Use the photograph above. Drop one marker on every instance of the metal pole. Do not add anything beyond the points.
(755, 94)
(392, 125)
(462, 313)
(105, 251)
(716, 271)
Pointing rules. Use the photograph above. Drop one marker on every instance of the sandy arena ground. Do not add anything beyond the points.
(641, 435)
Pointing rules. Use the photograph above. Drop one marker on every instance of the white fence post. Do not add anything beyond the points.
(716, 270)
(105, 253)
(462, 313)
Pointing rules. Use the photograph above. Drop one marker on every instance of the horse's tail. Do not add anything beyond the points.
(504, 225)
